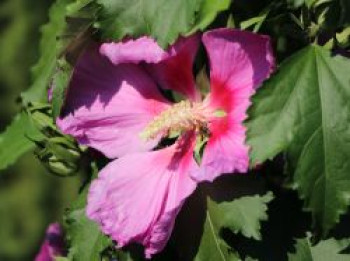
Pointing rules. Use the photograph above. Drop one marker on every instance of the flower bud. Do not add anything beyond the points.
(60, 155)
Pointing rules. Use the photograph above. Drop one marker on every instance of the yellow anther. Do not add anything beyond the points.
(182, 116)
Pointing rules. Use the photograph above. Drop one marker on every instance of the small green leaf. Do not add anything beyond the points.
(212, 246)
(230, 22)
(257, 21)
(326, 250)
(242, 215)
(14, 141)
(208, 11)
(342, 39)
(211, 210)
(49, 49)
(202, 82)
(304, 110)
(163, 20)
(76, 6)
(86, 240)
(60, 83)
(298, 3)
(201, 141)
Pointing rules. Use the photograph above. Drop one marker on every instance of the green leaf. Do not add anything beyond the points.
(60, 84)
(208, 11)
(214, 209)
(304, 110)
(240, 215)
(298, 3)
(202, 82)
(342, 39)
(324, 251)
(86, 240)
(49, 49)
(163, 20)
(14, 141)
(77, 6)
(212, 246)
(257, 21)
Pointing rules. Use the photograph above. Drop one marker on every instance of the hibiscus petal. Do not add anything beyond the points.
(225, 151)
(136, 198)
(133, 51)
(238, 58)
(175, 72)
(171, 69)
(239, 61)
(107, 106)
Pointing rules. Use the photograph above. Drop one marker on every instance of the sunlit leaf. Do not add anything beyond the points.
(49, 49)
(163, 20)
(212, 210)
(240, 215)
(86, 240)
(60, 83)
(257, 21)
(323, 251)
(14, 140)
(304, 110)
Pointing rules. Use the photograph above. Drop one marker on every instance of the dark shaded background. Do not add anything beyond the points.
(30, 198)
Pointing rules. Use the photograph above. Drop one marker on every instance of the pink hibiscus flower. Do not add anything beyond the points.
(114, 105)
(53, 245)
